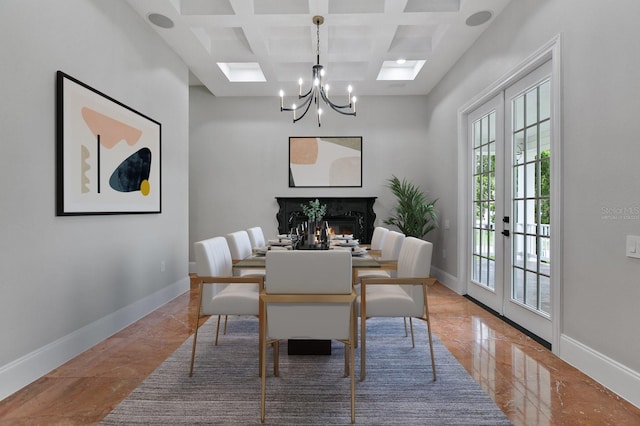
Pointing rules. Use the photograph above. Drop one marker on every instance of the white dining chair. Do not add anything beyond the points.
(402, 296)
(389, 255)
(378, 237)
(221, 293)
(308, 295)
(240, 248)
(256, 237)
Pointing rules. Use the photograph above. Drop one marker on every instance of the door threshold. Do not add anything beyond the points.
(518, 327)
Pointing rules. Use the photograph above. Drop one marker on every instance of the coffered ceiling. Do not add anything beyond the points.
(277, 39)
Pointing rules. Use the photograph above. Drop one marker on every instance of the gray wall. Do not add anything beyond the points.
(600, 69)
(239, 157)
(68, 282)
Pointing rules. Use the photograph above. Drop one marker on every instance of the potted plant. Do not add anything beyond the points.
(415, 216)
(314, 212)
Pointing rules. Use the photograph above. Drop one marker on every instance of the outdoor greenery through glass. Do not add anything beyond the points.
(531, 209)
(484, 200)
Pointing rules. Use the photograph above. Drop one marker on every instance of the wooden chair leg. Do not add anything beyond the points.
(413, 340)
(217, 330)
(263, 370)
(406, 334)
(363, 334)
(195, 334)
(426, 310)
(276, 358)
(355, 326)
(346, 360)
(352, 374)
(225, 325)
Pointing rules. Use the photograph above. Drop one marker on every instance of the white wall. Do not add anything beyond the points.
(69, 282)
(239, 157)
(600, 105)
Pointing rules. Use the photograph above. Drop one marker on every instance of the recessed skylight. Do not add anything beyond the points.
(392, 70)
(242, 72)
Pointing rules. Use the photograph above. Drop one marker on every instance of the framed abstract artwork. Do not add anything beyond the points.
(107, 154)
(316, 162)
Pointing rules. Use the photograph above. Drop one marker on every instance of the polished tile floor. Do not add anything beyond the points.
(531, 385)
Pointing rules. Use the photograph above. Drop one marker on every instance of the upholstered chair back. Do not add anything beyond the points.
(239, 245)
(378, 237)
(414, 260)
(308, 272)
(256, 237)
(392, 245)
(213, 259)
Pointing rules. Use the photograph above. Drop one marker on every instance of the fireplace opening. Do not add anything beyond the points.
(341, 225)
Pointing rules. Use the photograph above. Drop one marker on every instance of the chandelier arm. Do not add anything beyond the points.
(307, 100)
(306, 94)
(308, 103)
(337, 108)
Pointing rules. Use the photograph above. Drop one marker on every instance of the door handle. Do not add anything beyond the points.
(505, 232)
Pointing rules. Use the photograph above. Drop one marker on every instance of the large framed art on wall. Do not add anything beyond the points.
(107, 154)
(325, 161)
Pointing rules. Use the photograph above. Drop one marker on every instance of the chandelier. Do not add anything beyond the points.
(319, 90)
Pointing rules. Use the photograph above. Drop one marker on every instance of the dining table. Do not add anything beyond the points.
(366, 261)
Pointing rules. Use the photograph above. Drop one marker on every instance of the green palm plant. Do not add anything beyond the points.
(415, 216)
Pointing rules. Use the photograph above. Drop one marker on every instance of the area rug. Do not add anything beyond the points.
(311, 390)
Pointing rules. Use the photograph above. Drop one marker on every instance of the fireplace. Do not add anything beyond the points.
(346, 215)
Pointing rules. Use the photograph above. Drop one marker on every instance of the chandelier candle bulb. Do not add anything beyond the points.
(281, 100)
(300, 84)
(354, 103)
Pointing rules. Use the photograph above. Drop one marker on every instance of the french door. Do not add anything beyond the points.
(510, 229)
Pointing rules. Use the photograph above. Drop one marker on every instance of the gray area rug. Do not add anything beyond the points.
(311, 390)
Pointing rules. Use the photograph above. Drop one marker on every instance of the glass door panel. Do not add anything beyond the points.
(485, 126)
(528, 130)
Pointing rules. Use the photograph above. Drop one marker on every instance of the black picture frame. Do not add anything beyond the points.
(108, 155)
(325, 162)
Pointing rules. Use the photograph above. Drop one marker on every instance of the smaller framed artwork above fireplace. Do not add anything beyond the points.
(325, 162)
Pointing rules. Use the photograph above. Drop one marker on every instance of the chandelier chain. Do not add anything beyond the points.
(318, 42)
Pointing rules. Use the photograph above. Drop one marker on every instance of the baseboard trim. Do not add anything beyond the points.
(619, 378)
(446, 278)
(23, 371)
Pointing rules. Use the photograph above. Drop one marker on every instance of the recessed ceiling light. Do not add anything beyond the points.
(401, 61)
(478, 18)
(242, 72)
(392, 70)
(160, 20)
